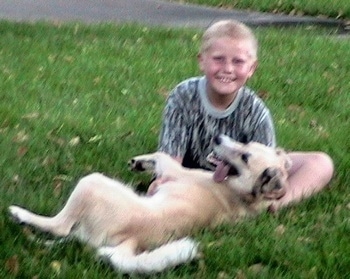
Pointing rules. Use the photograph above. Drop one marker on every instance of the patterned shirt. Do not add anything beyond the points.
(190, 122)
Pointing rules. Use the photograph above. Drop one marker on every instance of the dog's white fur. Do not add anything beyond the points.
(147, 234)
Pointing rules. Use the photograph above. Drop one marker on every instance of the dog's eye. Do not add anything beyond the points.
(245, 157)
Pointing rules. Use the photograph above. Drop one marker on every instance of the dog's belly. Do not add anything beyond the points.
(187, 205)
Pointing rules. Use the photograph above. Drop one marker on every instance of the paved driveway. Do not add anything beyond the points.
(150, 12)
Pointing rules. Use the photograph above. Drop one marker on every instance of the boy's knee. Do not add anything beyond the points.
(325, 164)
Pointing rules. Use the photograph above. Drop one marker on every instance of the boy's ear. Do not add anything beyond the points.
(200, 61)
(253, 68)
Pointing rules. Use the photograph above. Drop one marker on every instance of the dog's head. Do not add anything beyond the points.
(255, 170)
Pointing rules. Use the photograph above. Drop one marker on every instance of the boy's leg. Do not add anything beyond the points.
(310, 172)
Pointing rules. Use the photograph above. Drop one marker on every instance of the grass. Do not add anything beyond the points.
(77, 99)
(333, 9)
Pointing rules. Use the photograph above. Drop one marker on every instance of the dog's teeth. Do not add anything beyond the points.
(213, 158)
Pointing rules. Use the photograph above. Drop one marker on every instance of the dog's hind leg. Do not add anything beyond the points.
(43, 223)
(61, 224)
(166, 256)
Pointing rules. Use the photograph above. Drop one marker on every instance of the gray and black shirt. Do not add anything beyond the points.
(190, 122)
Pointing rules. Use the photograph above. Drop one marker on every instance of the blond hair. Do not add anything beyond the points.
(232, 29)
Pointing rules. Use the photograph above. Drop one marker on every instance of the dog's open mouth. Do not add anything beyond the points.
(222, 168)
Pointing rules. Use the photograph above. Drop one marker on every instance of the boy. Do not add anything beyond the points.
(219, 102)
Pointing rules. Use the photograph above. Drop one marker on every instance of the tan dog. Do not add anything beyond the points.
(147, 234)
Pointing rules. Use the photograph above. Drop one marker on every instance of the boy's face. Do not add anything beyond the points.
(228, 65)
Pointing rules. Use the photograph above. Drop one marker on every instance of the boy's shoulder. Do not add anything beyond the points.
(187, 89)
(251, 100)
(189, 84)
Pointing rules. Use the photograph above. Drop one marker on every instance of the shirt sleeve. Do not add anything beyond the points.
(175, 135)
(262, 128)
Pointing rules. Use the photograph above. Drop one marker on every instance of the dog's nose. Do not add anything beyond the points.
(217, 140)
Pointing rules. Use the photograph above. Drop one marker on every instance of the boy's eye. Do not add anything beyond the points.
(238, 61)
(219, 58)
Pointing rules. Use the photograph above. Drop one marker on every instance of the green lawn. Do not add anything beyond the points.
(77, 99)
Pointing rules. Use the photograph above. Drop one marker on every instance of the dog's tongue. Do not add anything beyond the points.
(221, 172)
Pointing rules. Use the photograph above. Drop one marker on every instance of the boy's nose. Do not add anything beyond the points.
(229, 67)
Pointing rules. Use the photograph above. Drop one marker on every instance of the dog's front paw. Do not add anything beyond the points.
(18, 214)
(142, 163)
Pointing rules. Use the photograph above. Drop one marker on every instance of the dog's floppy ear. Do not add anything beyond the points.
(268, 185)
(268, 181)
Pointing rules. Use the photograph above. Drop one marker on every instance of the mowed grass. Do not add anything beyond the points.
(77, 99)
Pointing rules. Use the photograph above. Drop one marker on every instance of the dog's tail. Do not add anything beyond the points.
(166, 256)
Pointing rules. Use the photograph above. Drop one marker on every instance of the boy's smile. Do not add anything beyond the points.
(227, 65)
